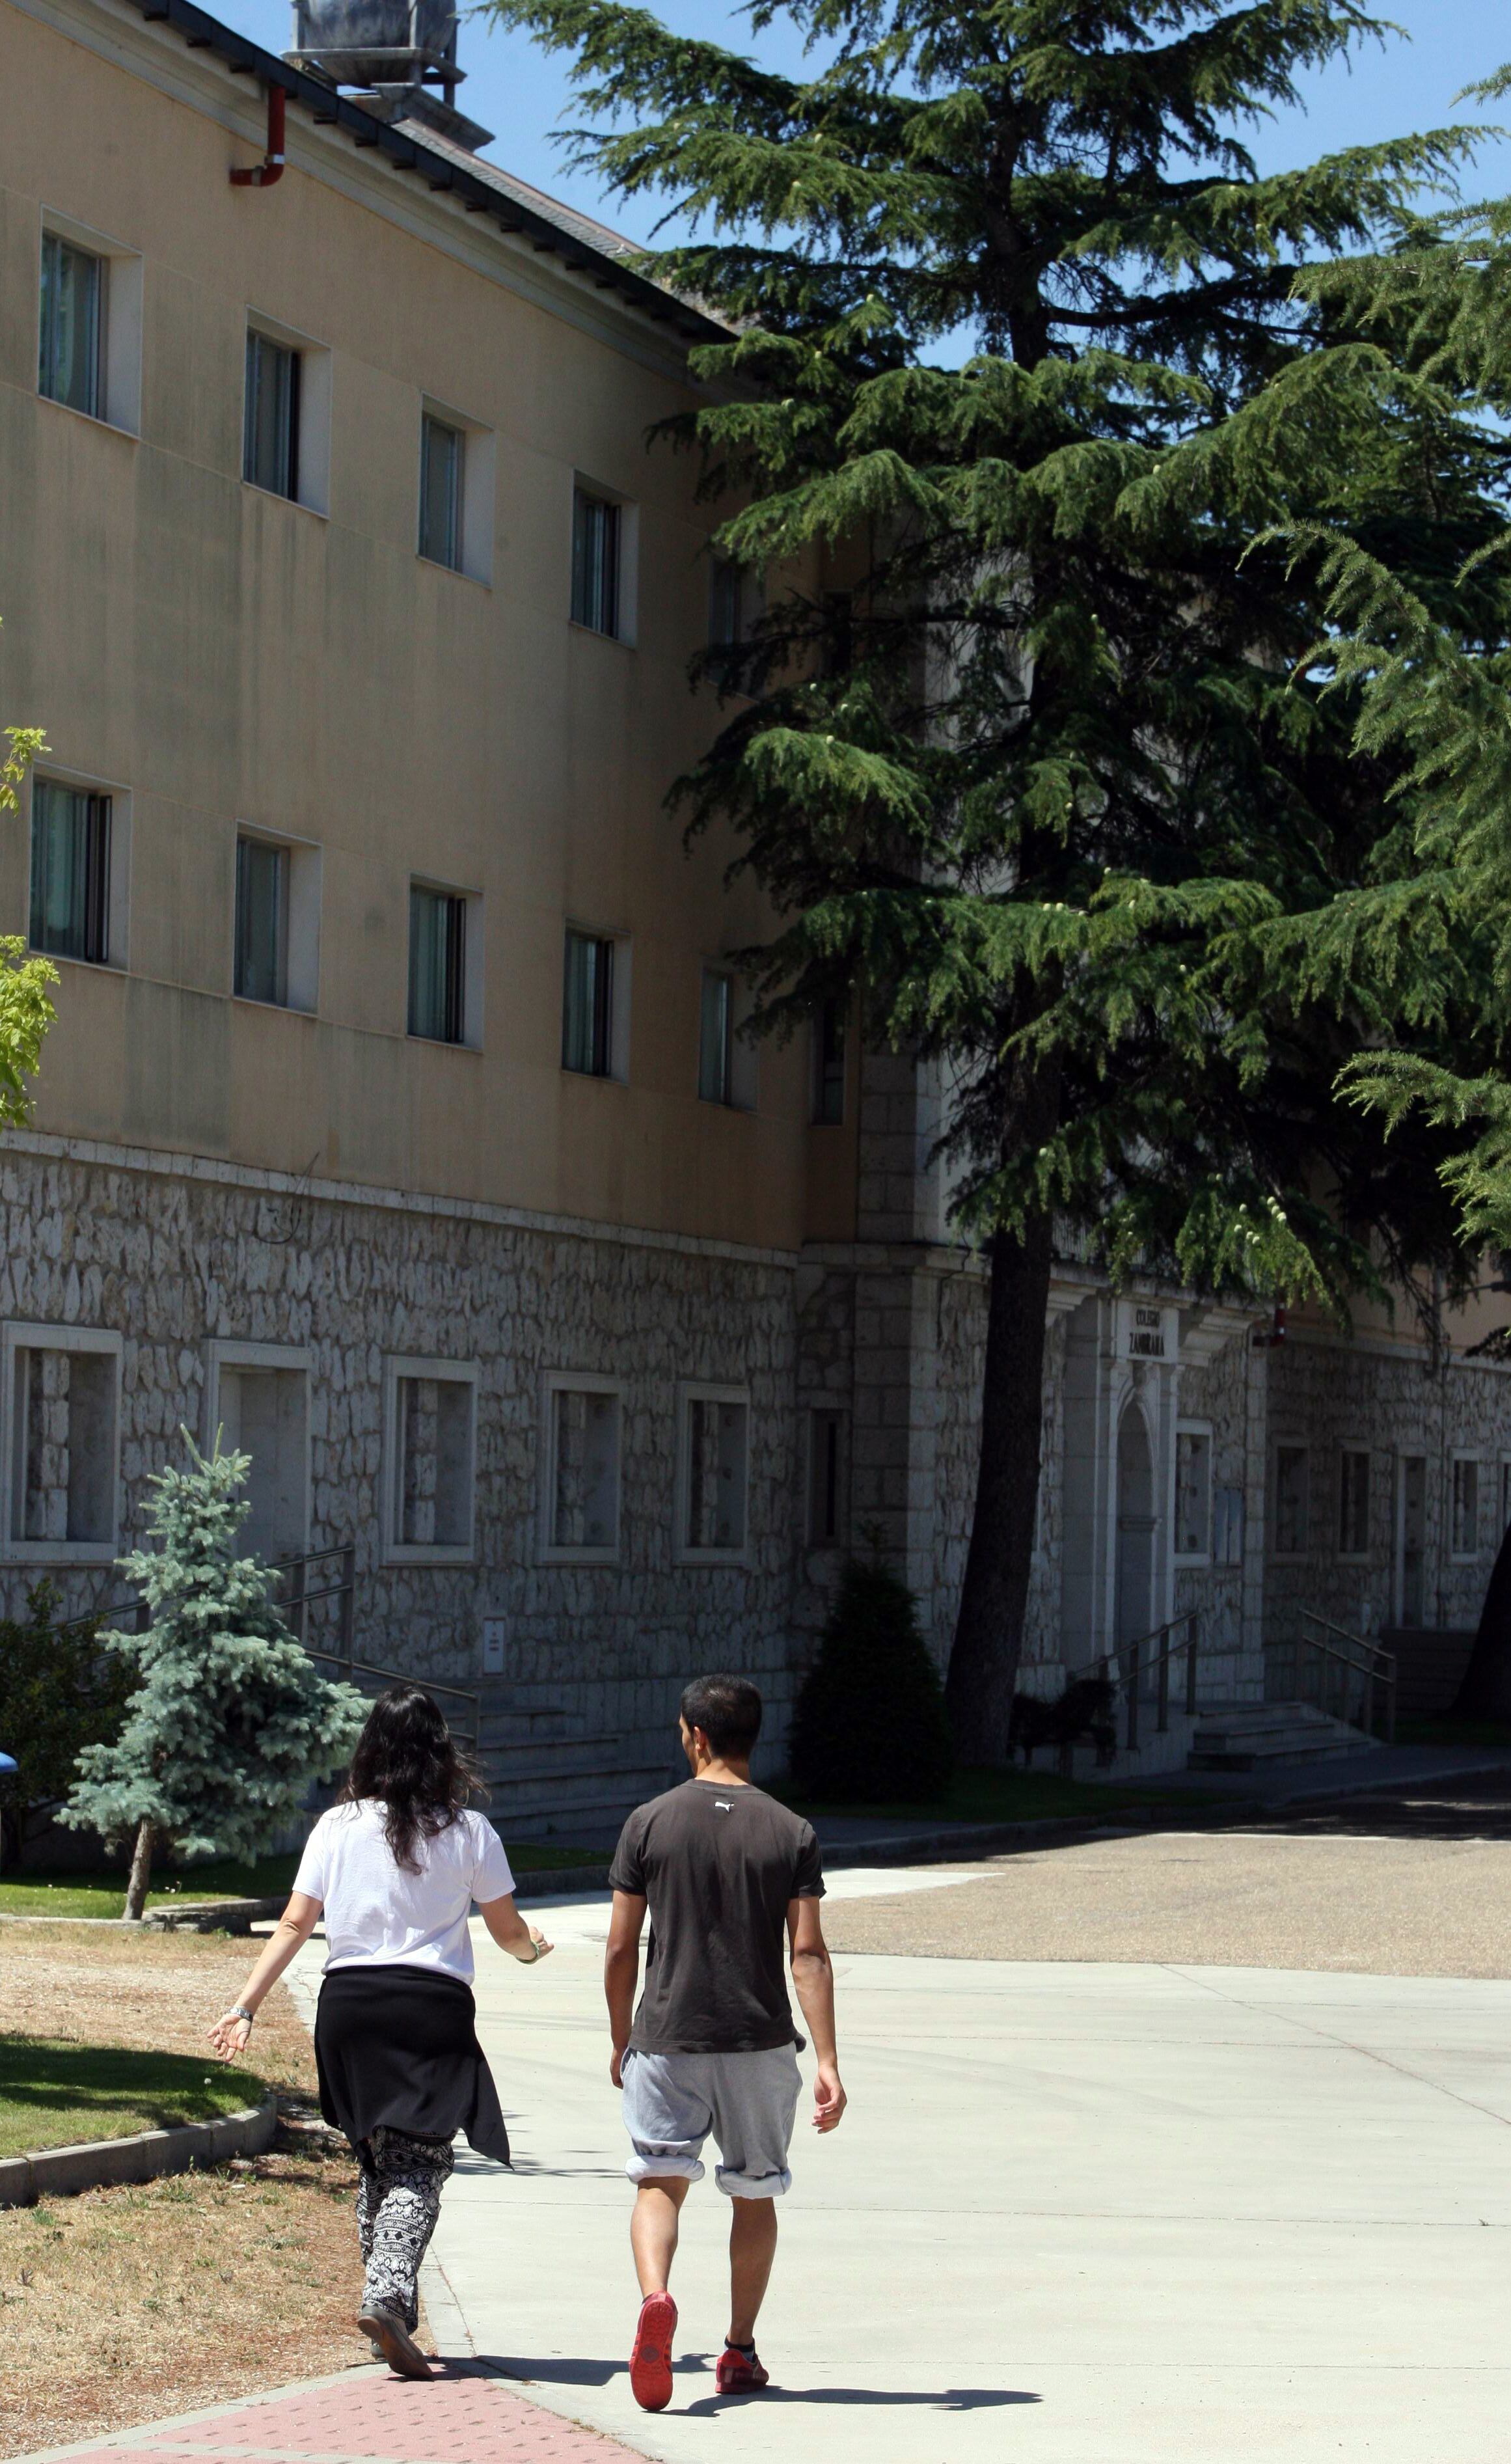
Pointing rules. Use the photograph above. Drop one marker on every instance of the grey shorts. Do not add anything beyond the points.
(749, 2102)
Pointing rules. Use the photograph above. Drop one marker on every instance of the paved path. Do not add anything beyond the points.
(1086, 2213)
(465, 2416)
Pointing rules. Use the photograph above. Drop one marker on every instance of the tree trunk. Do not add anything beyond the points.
(1485, 1693)
(140, 1874)
(994, 1598)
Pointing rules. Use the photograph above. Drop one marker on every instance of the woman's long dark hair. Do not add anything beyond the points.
(408, 1758)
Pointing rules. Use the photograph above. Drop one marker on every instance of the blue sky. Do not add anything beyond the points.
(1409, 83)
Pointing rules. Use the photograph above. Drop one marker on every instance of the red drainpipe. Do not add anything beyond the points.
(270, 167)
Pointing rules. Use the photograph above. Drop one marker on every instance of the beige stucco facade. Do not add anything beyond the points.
(221, 656)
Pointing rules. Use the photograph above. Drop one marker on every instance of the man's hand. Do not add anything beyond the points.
(616, 2065)
(829, 2099)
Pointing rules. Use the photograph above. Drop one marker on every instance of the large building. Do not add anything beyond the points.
(397, 1123)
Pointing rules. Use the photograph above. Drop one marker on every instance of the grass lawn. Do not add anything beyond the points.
(1439, 1730)
(1013, 1796)
(102, 1894)
(55, 2095)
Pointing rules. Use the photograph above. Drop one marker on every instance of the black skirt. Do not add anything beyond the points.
(397, 2049)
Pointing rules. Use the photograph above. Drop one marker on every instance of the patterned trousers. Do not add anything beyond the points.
(398, 2202)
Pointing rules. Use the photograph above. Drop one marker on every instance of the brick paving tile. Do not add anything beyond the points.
(459, 2418)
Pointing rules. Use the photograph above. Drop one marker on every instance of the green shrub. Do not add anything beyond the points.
(871, 1727)
(61, 1690)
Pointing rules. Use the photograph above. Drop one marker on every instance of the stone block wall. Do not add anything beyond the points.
(174, 1257)
(1330, 1397)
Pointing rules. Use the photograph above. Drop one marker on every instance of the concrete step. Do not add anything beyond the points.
(1264, 1735)
(519, 1758)
(528, 1726)
(547, 1791)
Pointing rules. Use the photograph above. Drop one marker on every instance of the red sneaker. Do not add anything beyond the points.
(650, 2361)
(739, 2373)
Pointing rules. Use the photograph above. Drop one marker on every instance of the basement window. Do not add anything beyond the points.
(431, 1420)
(1353, 1502)
(1464, 1530)
(1292, 1484)
(580, 1499)
(64, 1386)
(715, 1473)
(257, 1399)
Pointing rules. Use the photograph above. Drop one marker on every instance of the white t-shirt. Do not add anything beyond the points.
(376, 1913)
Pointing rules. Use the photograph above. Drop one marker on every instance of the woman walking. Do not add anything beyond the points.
(397, 1864)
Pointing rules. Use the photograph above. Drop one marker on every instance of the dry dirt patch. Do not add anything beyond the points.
(123, 2306)
(1375, 1906)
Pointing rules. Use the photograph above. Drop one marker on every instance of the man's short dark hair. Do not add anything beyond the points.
(728, 1710)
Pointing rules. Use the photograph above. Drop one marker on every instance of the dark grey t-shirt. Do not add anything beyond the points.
(718, 1866)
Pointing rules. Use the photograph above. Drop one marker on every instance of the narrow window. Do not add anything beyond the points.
(1465, 1507)
(437, 961)
(265, 1414)
(442, 450)
(595, 562)
(262, 922)
(828, 1064)
(837, 641)
(1193, 1492)
(587, 1012)
(64, 1445)
(825, 1472)
(432, 1468)
(714, 1039)
(271, 436)
(1227, 1526)
(1290, 1500)
(1506, 1496)
(584, 1469)
(72, 360)
(1353, 1505)
(716, 1474)
(70, 873)
(724, 604)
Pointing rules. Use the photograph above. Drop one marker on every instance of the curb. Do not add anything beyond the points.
(58, 2173)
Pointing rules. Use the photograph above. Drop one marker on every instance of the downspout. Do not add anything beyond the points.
(271, 168)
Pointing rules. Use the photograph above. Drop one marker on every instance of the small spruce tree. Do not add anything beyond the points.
(870, 1724)
(232, 1723)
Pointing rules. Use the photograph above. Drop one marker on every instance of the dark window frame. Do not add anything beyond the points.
(433, 424)
(597, 546)
(284, 455)
(597, 1044)
(88, 940)
(452, 1022)
(54, 249)
(246, 959)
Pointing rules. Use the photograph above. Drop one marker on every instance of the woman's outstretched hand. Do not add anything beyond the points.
(228, 2036)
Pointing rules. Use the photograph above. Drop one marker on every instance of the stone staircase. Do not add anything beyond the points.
(551, 1776)
(1263, 1736)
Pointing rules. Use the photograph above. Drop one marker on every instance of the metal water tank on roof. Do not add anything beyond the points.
(378, 42)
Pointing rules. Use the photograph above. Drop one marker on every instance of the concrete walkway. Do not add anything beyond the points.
(1079, 2213)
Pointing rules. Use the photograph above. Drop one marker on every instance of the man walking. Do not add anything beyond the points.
(723, 1869)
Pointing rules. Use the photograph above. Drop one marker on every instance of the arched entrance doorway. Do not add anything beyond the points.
(1136, 1546)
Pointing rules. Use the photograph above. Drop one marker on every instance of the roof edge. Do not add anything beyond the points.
(404, 151)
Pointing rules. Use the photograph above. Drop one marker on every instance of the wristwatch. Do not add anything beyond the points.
(239, 2010)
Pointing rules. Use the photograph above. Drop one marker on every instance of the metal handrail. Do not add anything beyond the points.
(1363, 1658)
(352, 1669)
(301, 1597)
(1124, 1668)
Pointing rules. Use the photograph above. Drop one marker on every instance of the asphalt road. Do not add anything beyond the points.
(1410, 1883)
